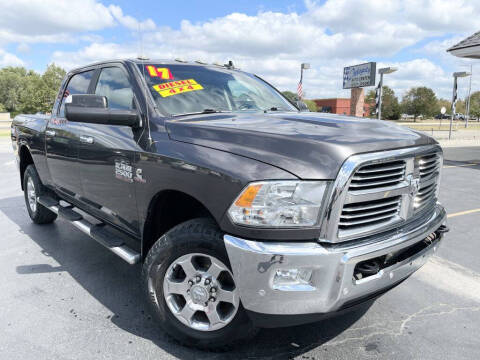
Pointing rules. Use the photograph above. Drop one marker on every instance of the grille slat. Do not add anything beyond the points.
(383, 174)
(365, 221)
(368, 213)
(349, 207)
(377, 176)
(425, 193)
(386, 168)
(429, 166)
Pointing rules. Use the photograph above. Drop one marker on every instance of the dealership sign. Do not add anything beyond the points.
(359, 75)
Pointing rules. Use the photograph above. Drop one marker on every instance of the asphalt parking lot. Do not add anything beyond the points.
(63, 296)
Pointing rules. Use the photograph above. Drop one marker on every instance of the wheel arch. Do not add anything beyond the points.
(167, 209)
(25, 159)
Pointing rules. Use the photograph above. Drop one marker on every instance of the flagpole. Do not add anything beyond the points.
(303, 66)
(300, 94)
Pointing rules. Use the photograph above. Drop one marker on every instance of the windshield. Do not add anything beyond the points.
(185, 89)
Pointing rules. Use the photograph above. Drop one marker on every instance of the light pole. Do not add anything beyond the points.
(454, 97)
(387, 70)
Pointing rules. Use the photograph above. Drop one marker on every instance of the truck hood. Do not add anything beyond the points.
(308, 145)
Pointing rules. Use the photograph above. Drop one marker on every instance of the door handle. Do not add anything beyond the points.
(86, 139)
(50, 132)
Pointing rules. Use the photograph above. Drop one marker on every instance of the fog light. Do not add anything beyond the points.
(293, 280)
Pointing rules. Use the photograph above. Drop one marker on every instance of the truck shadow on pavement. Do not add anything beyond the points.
(116, 285)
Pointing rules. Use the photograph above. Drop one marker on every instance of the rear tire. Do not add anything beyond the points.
(180, 294)
(32, 189)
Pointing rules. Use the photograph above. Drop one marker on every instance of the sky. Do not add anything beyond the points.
(268, 38)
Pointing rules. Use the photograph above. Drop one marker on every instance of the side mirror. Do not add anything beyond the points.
(302, 106)
(94, 109)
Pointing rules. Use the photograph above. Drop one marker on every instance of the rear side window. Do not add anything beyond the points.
(114, 84)
(78, 84)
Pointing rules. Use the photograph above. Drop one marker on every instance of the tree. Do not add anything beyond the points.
(419, 101)
(23, 90)
(475, 104)
(460, 107)
(52, 79)
(312, 105)
(12, 80)
(290, 96)
(33, 95)
(444, 103)
(390, 105)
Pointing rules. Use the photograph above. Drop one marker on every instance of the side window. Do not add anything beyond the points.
(78, 84)
(113, 83)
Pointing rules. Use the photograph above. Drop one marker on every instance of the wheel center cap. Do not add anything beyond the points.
(199, 294)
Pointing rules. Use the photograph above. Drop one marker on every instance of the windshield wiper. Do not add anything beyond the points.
(204, 111)
(273, 108)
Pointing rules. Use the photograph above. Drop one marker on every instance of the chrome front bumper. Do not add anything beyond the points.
(332, 285)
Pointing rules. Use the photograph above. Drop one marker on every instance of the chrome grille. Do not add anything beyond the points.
(428, 165)
(429, 170)
(368, 213)
(376, 192)
(378, 175)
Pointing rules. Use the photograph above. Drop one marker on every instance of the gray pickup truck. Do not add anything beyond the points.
(244, 211)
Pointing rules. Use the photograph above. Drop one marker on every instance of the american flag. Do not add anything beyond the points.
(300, 90)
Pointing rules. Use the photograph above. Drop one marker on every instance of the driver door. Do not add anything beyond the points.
(107, 156)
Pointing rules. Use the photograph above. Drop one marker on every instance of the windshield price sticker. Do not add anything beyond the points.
(162, 73)
(177, 87)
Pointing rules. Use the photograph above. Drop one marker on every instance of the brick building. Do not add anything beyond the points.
(339, 106)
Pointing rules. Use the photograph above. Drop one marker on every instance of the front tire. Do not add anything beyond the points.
(189, 285)
(32, 189)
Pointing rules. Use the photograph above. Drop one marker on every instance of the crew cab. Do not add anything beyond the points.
(244, 211)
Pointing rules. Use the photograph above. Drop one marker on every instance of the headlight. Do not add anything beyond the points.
(279, 204)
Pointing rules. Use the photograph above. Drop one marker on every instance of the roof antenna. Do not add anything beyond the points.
(143, 58)
(229, 65)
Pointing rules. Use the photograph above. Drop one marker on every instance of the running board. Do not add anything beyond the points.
(96, 232)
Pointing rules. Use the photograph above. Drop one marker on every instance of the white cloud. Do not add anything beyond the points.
(23, 48)
(8, 59)
(329, 35)
(49, 17)
(60, 21)
(443, 15)
(130, 22)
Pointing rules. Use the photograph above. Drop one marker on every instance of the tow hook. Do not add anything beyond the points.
(443, 229)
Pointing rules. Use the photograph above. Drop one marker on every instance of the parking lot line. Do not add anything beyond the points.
(463, 213)
(454, 166)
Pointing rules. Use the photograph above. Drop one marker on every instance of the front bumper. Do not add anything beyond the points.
(332, 286)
